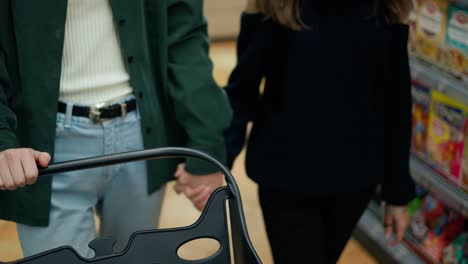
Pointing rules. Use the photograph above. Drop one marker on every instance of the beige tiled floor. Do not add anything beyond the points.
(178, 211)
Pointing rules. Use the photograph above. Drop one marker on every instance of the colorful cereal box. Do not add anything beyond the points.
(457, 252)
(434, 226)
(430, 29)
(421, 105)
(457, 39)
(446, 136)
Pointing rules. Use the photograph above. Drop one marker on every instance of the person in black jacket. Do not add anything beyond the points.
(333, 121)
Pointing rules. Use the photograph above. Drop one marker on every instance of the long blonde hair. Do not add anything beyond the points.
(287, 12)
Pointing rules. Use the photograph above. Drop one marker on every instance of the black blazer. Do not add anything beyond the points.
(335, 114)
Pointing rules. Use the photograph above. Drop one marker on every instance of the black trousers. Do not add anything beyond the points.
(306, 228)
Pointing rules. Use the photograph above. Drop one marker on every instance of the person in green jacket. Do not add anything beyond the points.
(81, 78)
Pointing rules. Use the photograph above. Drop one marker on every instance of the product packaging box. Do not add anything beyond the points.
(457, 252)
(457, 39)
(435, 227)
(421, 105)
(447, 136)
(431, 27)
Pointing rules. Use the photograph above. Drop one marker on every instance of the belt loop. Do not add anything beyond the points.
(68, 115)
(123, 109)
(137, 111)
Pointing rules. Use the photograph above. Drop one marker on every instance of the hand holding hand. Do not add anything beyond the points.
(197, 188)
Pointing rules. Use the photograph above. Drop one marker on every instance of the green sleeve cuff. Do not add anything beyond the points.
(8, 140)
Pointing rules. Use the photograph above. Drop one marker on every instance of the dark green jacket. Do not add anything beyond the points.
(165, 46)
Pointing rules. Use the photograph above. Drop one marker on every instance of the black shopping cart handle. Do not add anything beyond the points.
(149, 154)
(143, 245)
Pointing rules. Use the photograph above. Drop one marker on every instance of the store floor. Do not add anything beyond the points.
(178, 211)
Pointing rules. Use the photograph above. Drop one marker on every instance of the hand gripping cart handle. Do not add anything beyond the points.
(160, 246)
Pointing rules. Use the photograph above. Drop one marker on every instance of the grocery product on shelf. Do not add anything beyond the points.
(457, 39)
(421, 105)
(464, 175)
(412, 28)
(457, 251)
(430, 29)
(418, 226)
(446, 136)
(434, 227)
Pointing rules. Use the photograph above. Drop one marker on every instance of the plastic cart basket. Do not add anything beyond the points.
(160, 246)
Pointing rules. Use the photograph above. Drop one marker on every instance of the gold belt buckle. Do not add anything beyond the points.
(95, 114)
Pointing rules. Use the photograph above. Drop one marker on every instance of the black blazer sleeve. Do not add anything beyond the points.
(398, 187)
(244, 82)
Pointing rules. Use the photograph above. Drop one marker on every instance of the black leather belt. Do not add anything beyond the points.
(97, 114)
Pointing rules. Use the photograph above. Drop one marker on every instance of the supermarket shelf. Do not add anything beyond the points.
(439, 187)
(370, 233)
(439, 79)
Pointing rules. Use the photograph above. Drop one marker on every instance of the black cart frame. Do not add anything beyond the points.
(161, 246)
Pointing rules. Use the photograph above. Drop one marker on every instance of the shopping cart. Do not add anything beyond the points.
(161, 246)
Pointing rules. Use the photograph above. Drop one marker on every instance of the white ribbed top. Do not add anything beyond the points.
(93, 70)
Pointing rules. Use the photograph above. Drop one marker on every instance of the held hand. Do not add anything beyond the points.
(197, 188)
(396, 220)
(18, 167)
(199, 195)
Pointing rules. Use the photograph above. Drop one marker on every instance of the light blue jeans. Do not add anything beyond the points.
(118, 194)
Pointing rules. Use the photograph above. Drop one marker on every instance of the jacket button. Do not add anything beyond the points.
(148, 130)
(122, 22)
(140, 95)
(58, 33)
(130, 59)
